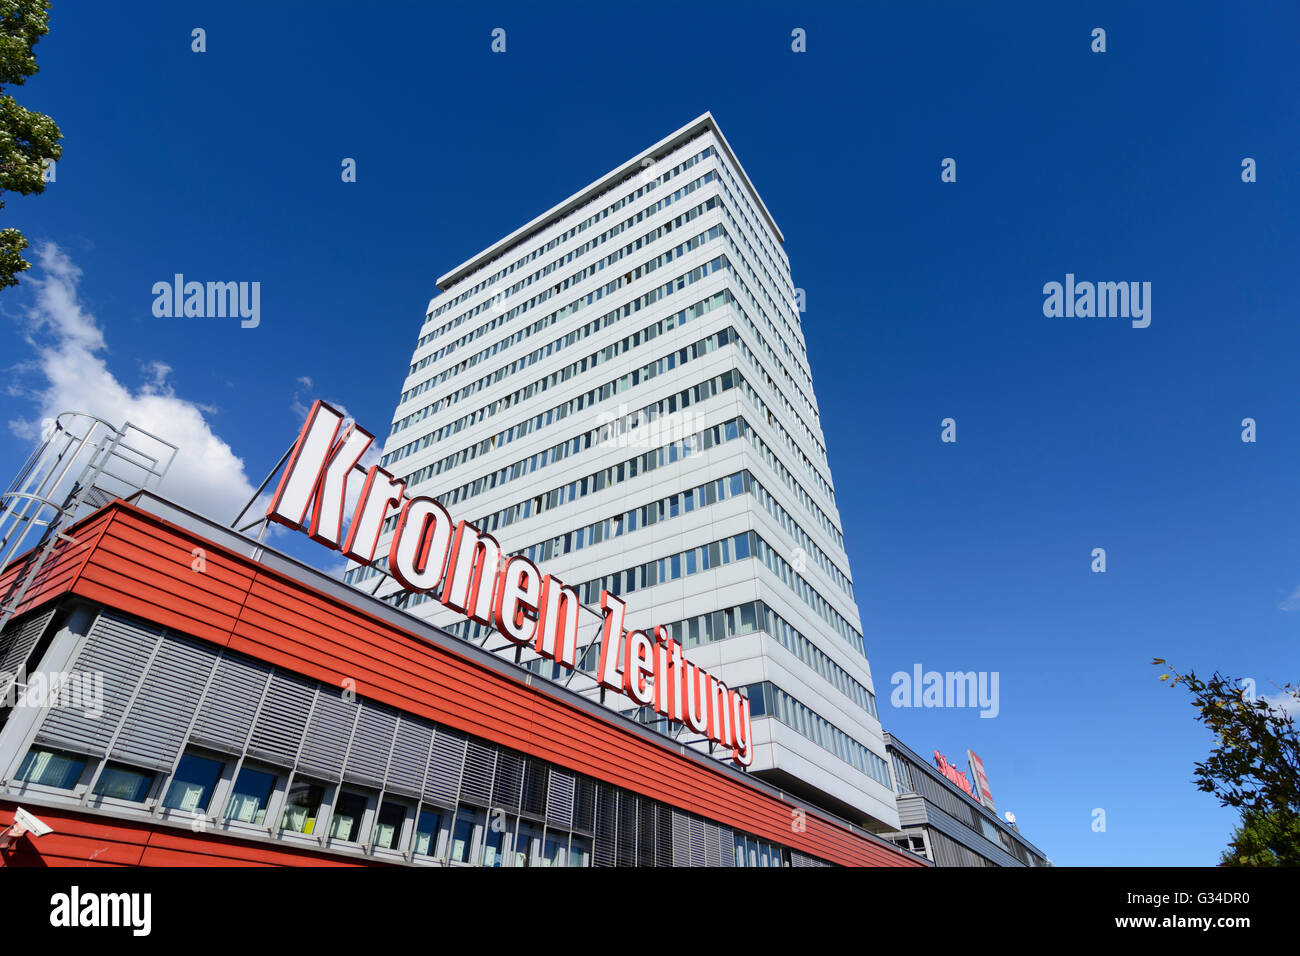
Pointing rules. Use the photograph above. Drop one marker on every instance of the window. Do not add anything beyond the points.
(388, 829)
(431, 832)
(527, 846)
(553, 849)
(51, 768)
(302, 807)
(494, 841)
(251, 795)
(123, 783)
(463, 836)
(345, 822)
(192, 785)
(580, 851)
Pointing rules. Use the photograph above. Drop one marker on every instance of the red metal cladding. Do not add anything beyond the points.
(85, 839)
(140, 564)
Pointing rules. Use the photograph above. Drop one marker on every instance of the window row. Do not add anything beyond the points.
(768, 700)
(578, 228)
(563, 410)
(577, 305)
(498, 295)
(709, 388)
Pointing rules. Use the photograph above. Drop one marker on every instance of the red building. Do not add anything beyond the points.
(236, 707)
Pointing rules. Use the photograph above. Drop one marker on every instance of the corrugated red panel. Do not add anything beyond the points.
(87, 840)
(143, 565)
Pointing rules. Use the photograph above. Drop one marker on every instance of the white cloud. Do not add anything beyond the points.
(1284, 702)
(1292, 603)
(68, 343)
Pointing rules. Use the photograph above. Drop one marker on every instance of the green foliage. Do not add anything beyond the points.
(27, 138)
(1254, 766)
(1264, 839)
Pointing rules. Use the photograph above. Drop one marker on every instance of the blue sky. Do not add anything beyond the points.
(924, 302)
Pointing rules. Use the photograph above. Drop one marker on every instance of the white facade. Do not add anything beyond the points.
(531, 374)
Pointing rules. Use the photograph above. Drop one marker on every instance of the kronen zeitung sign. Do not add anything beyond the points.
(431, 552)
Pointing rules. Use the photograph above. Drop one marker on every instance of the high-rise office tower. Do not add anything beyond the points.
(620, 390)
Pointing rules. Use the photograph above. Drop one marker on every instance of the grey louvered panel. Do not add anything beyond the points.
(559, 799)
(446, 765)
(726, 846)
(283, 718)
(509, 780)
(664, 837)
(371, 745)
(155, 727)
(532, 800)
(410, 756)
(476, 784)
(713, 844)
(584, 804)
(16, 645)
(681, 839)
(604, 853)
(116, 651)
(325, 744)
(698, 856)
(226, 715)
(626, 828)
(647, 811)
(803, 859)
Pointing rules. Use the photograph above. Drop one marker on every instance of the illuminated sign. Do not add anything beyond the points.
(983, 793)
(430, 551)
(952, 773)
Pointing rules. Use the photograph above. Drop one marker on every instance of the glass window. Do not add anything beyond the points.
(463, 835)
(345, 821)
(250, 796)
(302, 807)
(580, 851)
(124, 783)
(527, 845)
(494, 840)
(51, 768)
(193, 783)
(431, 832)
(388, 829)
(553, 849)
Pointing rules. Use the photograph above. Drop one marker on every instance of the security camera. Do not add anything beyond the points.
(25, 822)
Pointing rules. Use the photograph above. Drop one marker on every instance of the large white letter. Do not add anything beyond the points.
(418, 551)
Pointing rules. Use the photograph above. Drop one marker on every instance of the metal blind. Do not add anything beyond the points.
(155, 728)
(698, 855)
(533, 799)
(606, 816)
(664, 837)
(226, 714)
(626, 829)
(647, 815)
(681, 839)
(509, 780)
(16, 645)
(476, 784)
(280, 724)
(325, 743)
(371, 744)
(410, 757)
(446, 765)
(559, 798)
(119, 650)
